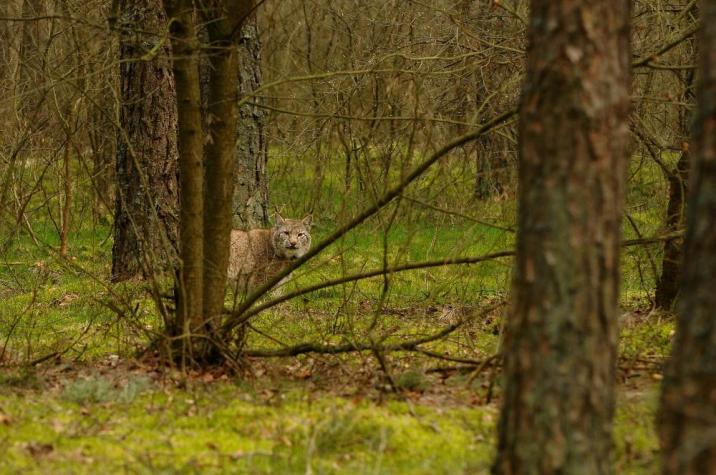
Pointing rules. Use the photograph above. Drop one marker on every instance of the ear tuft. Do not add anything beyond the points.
(278, 220)
(307, 221)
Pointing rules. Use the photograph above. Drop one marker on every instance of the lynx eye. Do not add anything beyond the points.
(301, 234)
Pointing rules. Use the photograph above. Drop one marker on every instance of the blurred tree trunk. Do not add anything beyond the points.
(667, 286)
(30, 89)
(688, 402)
(251, 193)
(560, 338)
(145, 218)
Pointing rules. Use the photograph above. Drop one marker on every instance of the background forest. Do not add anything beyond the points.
(395, 124)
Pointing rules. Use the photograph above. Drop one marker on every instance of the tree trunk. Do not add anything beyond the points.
(190, 138)
(223, 20)
(667, 286)
(688, 402)
(560, 338)
(30, 87)
(145, 219)
(66, 206)
(251, 192)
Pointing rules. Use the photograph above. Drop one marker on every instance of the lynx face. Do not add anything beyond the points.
(291, 238)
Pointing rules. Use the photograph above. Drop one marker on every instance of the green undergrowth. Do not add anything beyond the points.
(59, 312)
(228, 428)
(138, 426)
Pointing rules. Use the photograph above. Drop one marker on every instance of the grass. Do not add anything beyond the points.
(227, 427)
(92, 404)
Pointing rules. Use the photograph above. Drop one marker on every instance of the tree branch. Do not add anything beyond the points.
(237, 316)
(411, 345)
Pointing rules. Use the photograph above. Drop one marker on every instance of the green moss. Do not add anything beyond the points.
(637, 445)
(216, 430)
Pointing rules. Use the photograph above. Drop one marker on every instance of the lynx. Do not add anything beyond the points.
(258, 255)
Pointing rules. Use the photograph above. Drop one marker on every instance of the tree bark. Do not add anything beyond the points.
(223, 19)
(667, 287)
(29, 86)
(145, 219)
(688, 401)
(560, 338)
(189, 316)
(251, 193)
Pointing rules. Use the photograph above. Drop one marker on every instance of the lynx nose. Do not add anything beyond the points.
(292, 245)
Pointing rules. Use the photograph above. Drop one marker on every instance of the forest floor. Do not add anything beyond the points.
(304, 415)
(76, 396)
(308, 414)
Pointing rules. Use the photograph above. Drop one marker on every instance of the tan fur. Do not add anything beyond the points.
(260, 254)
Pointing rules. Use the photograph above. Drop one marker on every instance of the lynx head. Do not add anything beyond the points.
(291, 238)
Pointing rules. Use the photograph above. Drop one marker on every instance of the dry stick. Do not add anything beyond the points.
(309, 347)
(425, 265)
(454, 359)
(237, 317)
(376, 273)
(645, 61)
(411, 345)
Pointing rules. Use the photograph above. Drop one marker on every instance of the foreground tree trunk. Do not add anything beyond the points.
(206, 172)
(251, 192)
(223, 19)
(688, 402)
(560, 339)
(145, 218)
(189, 313)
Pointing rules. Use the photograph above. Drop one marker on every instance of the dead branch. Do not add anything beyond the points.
(309, 347)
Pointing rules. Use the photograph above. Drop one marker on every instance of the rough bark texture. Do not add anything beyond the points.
(251, 192)
(222, 20)
(191, 174)
(688, 403)
(667, 286)
(560, 339)
(145, 219)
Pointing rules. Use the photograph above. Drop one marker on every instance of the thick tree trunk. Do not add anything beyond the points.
(251, 192)
(688, 403)
(560, 338)
(145, 219)
(189, 317)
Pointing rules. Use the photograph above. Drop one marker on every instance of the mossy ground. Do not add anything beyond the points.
(88, 420)
(94, 406)
(90, 405)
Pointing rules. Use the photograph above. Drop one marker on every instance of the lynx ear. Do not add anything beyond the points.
(278, 220)
(307, 221)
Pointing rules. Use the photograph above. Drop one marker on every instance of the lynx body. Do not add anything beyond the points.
(258, 255)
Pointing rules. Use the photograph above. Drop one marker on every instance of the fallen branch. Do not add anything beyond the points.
(412, 345)
(422, 265)
(375, 273)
